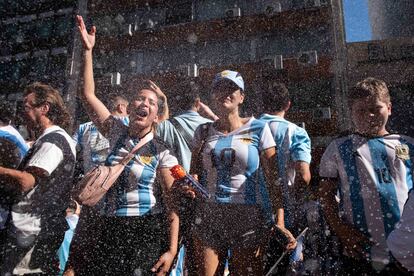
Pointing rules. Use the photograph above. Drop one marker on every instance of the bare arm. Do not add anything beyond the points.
(166, 112)
(165, 261)
(25, 180)
(205, 111)
(195, 163)
(303, 175)
(96, 110)
(354, 241)
(268, 161)
(302, 179)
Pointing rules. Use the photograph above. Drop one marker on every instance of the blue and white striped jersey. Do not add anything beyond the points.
(10, 134)
(375, 175)
(293, 144)
(231, 162)
(137, 191)
(189, 121)
(93, 146)
(12, 150)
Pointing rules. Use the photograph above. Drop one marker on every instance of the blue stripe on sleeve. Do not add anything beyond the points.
(350, 166)
(385, 184)
(301, 146)
(23, 148)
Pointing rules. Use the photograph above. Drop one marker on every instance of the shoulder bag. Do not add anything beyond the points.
(96, 182)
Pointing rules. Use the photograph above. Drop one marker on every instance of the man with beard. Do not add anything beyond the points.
(42, 181)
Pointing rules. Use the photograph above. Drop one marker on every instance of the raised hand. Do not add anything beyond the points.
(156, 88)
(166, 112)
(204, 110)
(88, 39)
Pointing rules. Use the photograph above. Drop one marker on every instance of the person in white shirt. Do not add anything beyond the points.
(43, 181)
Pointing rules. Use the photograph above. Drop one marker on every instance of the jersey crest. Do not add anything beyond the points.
(145, 159)
(246, 140)
(402, 151)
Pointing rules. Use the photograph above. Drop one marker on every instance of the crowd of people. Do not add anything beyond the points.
(256, 171)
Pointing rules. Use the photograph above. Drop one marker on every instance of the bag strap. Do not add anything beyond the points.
(148, 137)
(204, 135)
(186, 136)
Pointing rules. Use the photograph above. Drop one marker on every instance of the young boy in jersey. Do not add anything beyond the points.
(371, 171)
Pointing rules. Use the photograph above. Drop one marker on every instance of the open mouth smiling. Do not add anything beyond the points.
(141, 113)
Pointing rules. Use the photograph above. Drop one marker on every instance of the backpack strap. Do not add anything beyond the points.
(186, 136)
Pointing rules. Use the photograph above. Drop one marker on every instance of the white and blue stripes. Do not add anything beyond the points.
(293, 144)
(93, 145)
(375, 176)
(10, 134)
(231, 162)
(137, 192)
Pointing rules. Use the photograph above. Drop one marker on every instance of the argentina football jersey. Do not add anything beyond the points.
(375, 175)
(10, 134)
(92, 144)
(293, 144)
(137, 190)
(231, 162)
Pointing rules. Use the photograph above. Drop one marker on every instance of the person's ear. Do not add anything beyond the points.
(122, 108)
(389, 107)
(288, 106)
(241, 96)
(45, 108)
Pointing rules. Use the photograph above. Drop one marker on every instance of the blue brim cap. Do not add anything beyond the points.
(233, 76)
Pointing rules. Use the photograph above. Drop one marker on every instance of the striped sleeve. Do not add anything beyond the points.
(266, 139)
(301, 146)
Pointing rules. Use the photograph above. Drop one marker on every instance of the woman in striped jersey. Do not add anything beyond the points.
(140, 236)
(233, 148)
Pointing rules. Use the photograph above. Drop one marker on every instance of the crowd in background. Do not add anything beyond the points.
(256, 172)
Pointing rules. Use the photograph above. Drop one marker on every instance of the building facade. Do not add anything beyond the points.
(391, 60)
(35, 44)
(297, 42)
